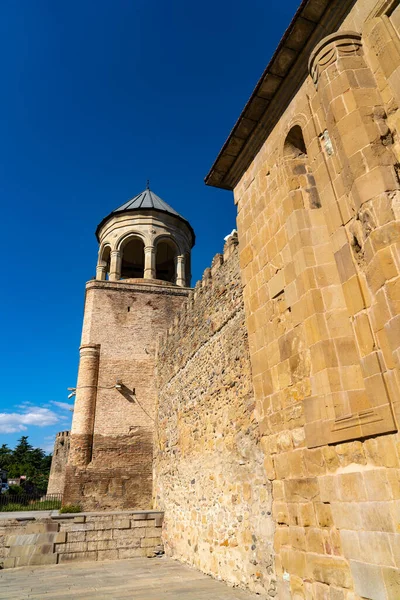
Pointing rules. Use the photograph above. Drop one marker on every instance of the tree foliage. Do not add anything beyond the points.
(26, 460)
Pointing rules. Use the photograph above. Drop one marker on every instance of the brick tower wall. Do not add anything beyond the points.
(59, 463)
(110, 465)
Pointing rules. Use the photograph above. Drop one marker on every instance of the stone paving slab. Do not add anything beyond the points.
(134, 579)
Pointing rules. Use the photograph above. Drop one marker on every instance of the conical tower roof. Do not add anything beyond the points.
(146, 200)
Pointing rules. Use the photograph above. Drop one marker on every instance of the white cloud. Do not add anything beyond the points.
(48, 447)
(63, 405)
(18, 421)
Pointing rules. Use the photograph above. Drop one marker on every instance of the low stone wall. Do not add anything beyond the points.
(87, 536)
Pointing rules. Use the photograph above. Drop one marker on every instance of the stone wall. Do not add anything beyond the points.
(319, 233)
(87, 536)
(110, 460)
(209, 477)
(59, 463)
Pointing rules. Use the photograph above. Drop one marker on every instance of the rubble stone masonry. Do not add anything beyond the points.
(209, 476)
(59, 463)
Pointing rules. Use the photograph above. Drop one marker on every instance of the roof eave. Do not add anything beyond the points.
(277, 86)
(144, 210)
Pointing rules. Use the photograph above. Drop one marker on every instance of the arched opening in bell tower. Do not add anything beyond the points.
(166, 253)
(104, 262)
(132, 264)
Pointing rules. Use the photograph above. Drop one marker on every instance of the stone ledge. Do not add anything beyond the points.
(137, 287)
(142, 515)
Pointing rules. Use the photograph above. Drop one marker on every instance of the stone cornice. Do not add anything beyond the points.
(286, 72)
(156, 288)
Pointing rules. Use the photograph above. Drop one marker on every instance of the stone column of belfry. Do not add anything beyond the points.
(101, 272)
(363, 191)
(85, 406)
(180, 270)
(115, 265)
(149, 262)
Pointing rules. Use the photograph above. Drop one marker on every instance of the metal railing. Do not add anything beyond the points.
(11, 503)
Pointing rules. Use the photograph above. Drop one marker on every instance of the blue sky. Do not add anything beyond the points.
(97, 97)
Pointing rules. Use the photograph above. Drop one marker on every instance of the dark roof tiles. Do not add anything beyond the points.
(147, 199)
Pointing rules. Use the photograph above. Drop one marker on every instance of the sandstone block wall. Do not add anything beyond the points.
(110, 461)
(59, 463)
(80, 538)
(319, 233)
(208, 473)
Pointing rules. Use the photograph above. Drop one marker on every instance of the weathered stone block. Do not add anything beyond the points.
(108, 555)
(347, 515)
(121, 523)
(103, 525)
(21, 551)
(70, 547)
(329, 570)
(368, 580)
(132, 552)
(76, 536)
(350, 544)
(99, 534)
(42, 559)
(153, 531)
(42, 527)
(140, 522)
(150, 542)
(377, 516)
(79, 556)
(60, 538)
(80, 519)
(324, 514)
(302, 490)
(103, 545)
(9, 563)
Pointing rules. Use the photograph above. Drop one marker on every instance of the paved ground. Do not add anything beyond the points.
(136, 579)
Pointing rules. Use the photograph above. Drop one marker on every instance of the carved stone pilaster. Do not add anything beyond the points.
(333, 47)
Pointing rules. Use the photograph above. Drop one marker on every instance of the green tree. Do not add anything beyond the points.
(26, 460)
(5, 457)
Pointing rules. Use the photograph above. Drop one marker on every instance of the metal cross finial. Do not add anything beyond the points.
(148, 184)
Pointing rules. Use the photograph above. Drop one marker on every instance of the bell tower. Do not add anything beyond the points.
(145, 239)
(142, 278)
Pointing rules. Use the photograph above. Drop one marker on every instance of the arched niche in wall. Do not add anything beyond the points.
(166, 253)
(132, 259)
(301, 177)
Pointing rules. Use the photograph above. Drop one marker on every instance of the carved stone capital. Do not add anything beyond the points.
(330, 49)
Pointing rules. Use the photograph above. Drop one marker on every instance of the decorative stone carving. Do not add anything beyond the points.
(330, 49)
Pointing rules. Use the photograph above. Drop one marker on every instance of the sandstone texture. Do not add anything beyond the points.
(319, 238)
(84, 537)
(59, 463)
(209, 475)
(274, 396)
